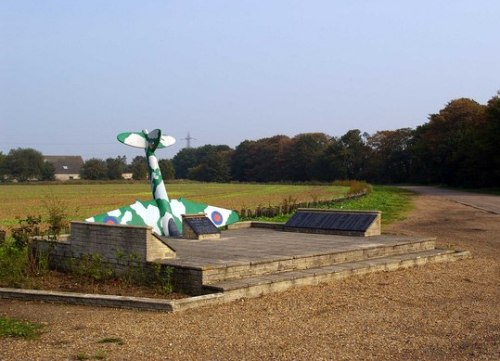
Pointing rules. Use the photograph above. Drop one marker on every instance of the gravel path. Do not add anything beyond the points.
(448, 311)
(486, 202)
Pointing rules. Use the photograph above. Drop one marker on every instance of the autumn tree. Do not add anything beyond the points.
(449, 146)
(391, 158)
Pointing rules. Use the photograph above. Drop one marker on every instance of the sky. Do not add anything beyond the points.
(74, 74)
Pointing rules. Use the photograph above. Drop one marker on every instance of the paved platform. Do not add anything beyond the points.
(252, 261)
(258, 244)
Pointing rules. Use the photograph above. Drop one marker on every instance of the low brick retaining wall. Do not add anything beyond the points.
(119, 249)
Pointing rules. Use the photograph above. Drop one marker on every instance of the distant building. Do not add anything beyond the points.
(128, 175)
(67, 167)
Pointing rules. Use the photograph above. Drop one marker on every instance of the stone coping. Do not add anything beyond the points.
(114, 301)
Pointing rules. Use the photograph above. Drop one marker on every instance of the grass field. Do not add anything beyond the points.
(85, 200)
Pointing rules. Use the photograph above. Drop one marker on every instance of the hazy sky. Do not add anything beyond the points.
(73, 74)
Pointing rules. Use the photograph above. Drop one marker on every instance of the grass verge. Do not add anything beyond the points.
(395, 203)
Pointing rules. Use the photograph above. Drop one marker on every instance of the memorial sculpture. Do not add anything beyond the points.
(164, 215)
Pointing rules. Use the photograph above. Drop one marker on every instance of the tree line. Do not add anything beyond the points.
(114, 168)
(458, 146)
(28, 164)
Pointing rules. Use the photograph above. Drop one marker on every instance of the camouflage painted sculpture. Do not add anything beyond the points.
(161, 213)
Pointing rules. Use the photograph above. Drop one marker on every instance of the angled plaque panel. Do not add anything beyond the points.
(335, 221)
(201, 225)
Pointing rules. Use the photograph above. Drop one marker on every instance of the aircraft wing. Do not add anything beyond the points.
(219, 216)
(148, 214)
(138, 214)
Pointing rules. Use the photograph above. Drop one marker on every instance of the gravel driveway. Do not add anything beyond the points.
(448, 311)
(489, 203)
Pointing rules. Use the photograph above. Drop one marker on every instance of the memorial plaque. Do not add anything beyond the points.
(198, 226)
(201, 225)
(335, 222)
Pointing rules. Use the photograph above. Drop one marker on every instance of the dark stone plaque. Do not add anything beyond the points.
(201, 225)
(357, 222)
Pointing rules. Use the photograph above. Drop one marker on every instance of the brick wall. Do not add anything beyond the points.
(115, 244)
(111, 241)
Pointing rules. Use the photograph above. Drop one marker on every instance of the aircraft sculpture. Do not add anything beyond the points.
(160, 213)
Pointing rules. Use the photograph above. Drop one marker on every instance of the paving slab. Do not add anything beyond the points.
(254, 245)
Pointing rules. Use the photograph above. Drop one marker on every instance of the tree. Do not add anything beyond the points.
(48, 172)
(391, 159)
(3, 167)
(331, 162)
(139, 168)
(491, 141)
(302, 161)
(212, 164)
(353, 154)
(209, 163)
(167, 169)
(262, 160)
(24, 164)
(448, 147)
(116, 167)
(184, 160)
(94, 169)
(241, 160)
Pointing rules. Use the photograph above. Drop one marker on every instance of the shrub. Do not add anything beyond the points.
(28, 228)
(13, 264)
(91, 267)
(162, 278)
(58, 215)
(355, 186)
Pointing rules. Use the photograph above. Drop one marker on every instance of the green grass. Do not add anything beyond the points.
(395, 203)
(14, 328)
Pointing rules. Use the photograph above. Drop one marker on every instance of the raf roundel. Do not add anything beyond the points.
(110, 220)
(216, 218)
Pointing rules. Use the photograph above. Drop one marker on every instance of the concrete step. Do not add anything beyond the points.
(227, 272)
(263, 284)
